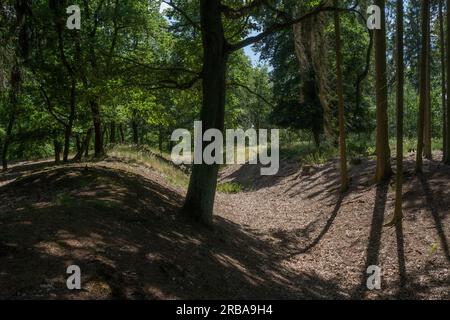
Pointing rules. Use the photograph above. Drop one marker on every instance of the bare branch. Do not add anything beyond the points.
(196, 25)
(279, 26)
(237, 84)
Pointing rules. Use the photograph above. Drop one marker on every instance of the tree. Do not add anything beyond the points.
(383, 170)
(200, 196)
(400, 102)
(447, 122)
(341, 110)
(20, 36)
(443, 76)
(423, 82)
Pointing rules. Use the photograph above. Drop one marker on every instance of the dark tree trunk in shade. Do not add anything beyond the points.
(425, 20)
(443, 75)
(98, 134)
(200, 196)
(341, 110)
(447, 49)
(57, 148)
(112, 133)
(383, 170)
(134, 127)
(122, 135)
(400, 74)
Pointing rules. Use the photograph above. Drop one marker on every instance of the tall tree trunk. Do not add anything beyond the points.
(68, 129)
(443, 76)
(122, 135)
(134, 127)
(427, 152)
(78, 143)
(98, 135)
(160, 139)
(423, 83)
(84, 148)
(447, 139)
(400, 102)
(383, 170)
(56, 147)
(199, 202)
(6, 141)
(16, 78)
(112, 133)
(88, 143)
(341, 110)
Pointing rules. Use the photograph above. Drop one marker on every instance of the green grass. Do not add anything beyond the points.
(172, 174)
(229, 187)
(308, 153)
(410, 145)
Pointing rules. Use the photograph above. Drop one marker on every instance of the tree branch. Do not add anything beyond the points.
(196, 25)
(237, 84)
(279, 26)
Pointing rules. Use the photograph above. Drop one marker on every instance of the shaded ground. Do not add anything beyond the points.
(290, 236)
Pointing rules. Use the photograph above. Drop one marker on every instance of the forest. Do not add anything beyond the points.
(339, 188)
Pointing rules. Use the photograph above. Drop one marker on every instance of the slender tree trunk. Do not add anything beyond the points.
(400, 103)
(427, 152)
(383, 152)
(134, 127)
(88, 143)
(84, 148)
(122, 135)
(160, 139)
(443, 76)
(98, 135)
(78, 143)
(112, 133)
(340, 94)
(16, 78)
(423, 83)
(6, 141)
(200, 196)
(56, 147)
(68, 131)
(447, 139)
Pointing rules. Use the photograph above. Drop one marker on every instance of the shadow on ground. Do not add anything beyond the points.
(124, 232)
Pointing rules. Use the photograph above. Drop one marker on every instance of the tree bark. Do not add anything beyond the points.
(427, 152)
(84, 148)
(383, 170)
(122, 135)
(443, 76)
(340, 94)
(400, 104)
(6, 141)
(112, 133)
(16, 78)
(447, 139)
(57, 148)
(68, 129)
(98, 135)
(134, 126)
(160, 139)
(199, 202)
(423, 83)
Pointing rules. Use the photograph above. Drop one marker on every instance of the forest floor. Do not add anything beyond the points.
(290, 236)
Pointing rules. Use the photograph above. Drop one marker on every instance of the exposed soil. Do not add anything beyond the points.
(291, 236)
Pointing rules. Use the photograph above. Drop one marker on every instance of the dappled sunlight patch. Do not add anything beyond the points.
(98, 288)
(51, 248)
(153, 256)
(129, 248)
(228, 261)
(157, 293)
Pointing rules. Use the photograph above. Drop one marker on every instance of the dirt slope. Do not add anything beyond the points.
(290, 236)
